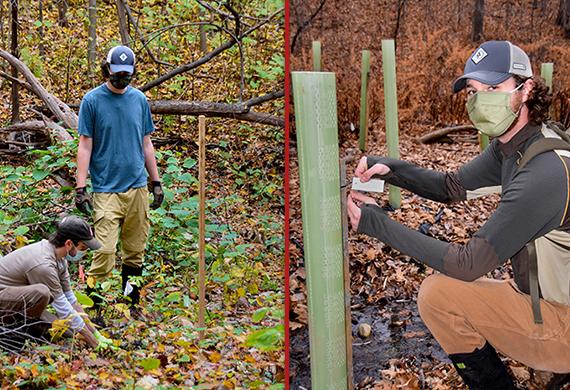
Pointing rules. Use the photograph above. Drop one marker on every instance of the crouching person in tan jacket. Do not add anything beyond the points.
(36, 275)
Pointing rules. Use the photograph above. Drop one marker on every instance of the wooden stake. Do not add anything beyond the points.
(346, 267)
(364, 75)
(202, 225)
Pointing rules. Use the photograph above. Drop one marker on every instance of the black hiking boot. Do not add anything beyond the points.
(133, 292)
(98, 301)
(482, 369)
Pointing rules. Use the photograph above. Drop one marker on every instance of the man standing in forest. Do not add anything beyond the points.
(472, 316)
(115, 124)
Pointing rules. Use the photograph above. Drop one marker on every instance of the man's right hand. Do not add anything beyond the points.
(83, 201)
(365, 174)
(104, 342)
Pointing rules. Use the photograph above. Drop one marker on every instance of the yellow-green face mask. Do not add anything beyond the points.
(491, 112)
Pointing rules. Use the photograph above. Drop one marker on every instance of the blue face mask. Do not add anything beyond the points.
(75, 258)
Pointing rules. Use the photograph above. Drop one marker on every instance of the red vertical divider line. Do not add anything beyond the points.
(286, 185)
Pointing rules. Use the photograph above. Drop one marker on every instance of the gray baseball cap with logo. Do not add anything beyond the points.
(121, 59)
(494, 62)
(76, 229)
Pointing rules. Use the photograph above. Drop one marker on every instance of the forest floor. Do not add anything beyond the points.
(400, 352)
(243, 339)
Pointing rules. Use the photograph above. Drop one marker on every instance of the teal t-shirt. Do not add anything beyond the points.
(117, 124)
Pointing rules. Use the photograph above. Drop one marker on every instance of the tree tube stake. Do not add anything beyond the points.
(344, 185)
(317, 136)
(202, 226)
(364, 76)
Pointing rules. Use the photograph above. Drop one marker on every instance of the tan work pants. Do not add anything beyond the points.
(119, 215)
(463, 315)
(27, 300)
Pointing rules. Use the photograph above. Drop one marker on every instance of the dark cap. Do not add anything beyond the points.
(494, 62)
(121, 59)
(76, 229)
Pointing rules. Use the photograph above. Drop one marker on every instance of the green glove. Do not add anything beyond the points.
(104, 342)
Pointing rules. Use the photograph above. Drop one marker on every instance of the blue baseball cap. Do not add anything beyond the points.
(121, 59)
(494, 62)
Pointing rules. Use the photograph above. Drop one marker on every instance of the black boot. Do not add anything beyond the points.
(126, 273)
(98, 301)
(95, 295)
(482, 369)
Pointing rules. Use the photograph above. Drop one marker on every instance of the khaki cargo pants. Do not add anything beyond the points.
(26, 300)
(463, 315)
(119, 215)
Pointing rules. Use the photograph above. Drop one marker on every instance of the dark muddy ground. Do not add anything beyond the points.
(397, 333)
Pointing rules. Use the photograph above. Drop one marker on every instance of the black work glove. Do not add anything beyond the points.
(83, 201)
(157, 193)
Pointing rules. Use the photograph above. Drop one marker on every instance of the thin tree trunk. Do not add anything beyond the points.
(41, 29)
(203, 42)
(2, 16)
(62, 13)
(14, 52)
(92, 40)
(563, 17)
(400, 16)
(478, 16)
(459, 13)
(123, 23)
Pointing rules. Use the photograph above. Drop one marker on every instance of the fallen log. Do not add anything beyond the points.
(223, 110)
(61, 111)
(440, 133)
(25, 126)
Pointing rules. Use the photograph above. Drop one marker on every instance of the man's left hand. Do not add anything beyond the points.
(353, 205)
(158, 195)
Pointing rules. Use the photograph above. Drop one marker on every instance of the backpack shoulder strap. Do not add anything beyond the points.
(545, 145)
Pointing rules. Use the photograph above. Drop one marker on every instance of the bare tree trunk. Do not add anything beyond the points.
(400, 16)
(203, 42)
(2, 16)
(459, 13)
(563, 17)
(478, 16)
(41, 28)
(123, 23)
(508, 6)
(62, 13)
(92, 40)
(14, 52)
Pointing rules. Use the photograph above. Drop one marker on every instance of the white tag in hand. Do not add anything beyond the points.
(373, 185)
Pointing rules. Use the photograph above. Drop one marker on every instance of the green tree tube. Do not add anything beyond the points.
(317, 139)
(546, 72)
(391, 108)
(364, 75)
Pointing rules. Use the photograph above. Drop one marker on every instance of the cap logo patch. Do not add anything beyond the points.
(123, 57)
(516, 65)
(479, 55)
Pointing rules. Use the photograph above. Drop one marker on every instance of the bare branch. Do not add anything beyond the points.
(140, 34)
(207, 57)
(59, 109)
(16, 80)
(264, 98)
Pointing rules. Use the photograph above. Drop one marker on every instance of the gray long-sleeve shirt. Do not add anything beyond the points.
(533, 202)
